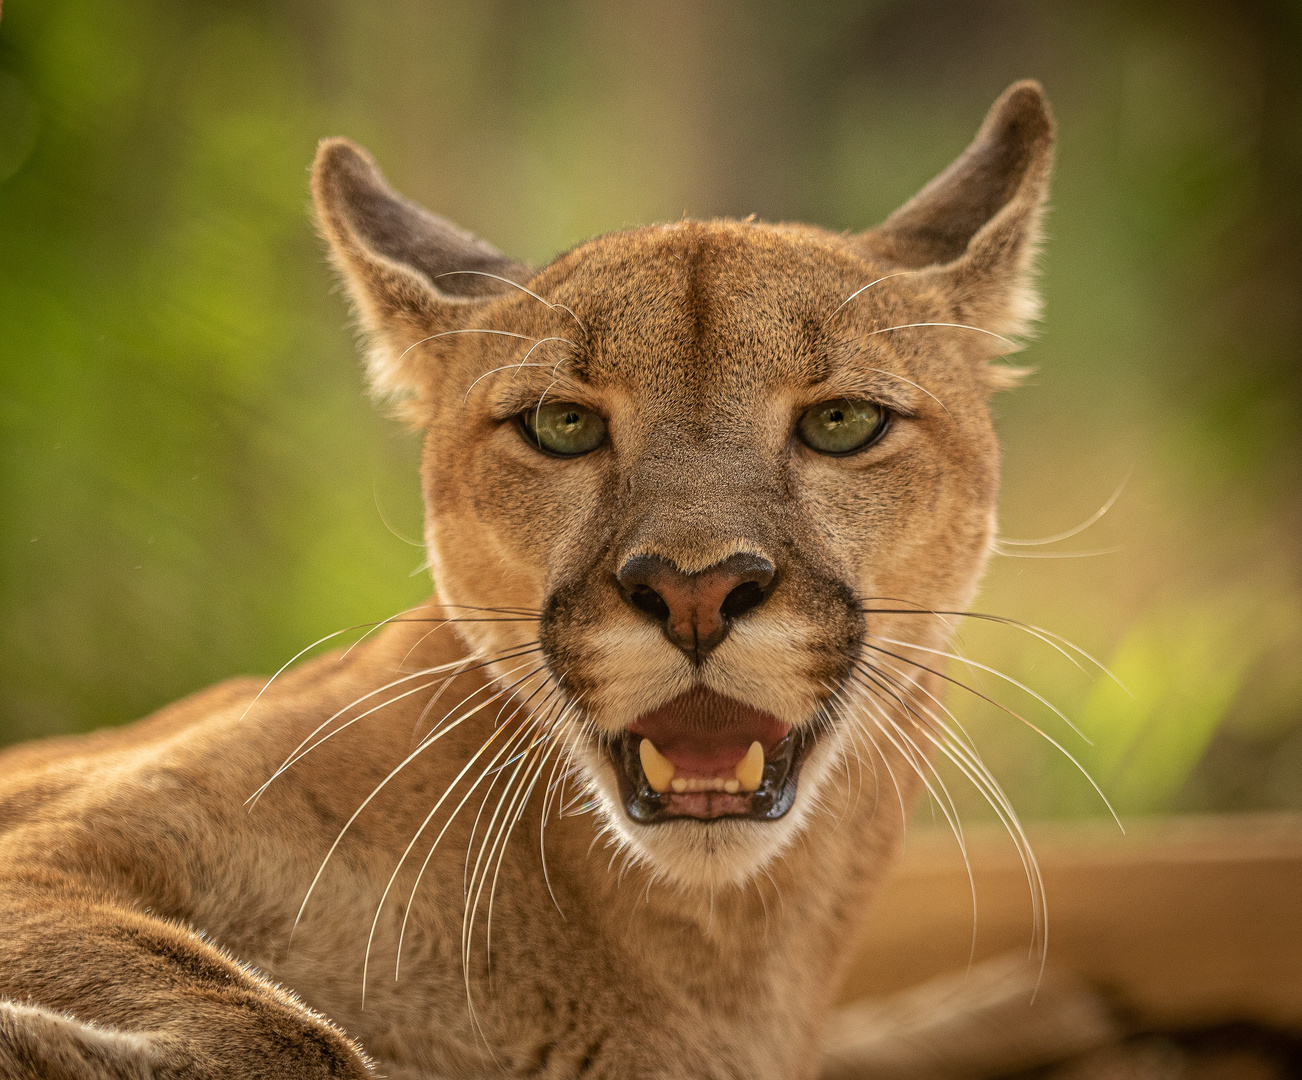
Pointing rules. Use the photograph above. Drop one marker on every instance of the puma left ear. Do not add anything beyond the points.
(978, 222)
(396, 258)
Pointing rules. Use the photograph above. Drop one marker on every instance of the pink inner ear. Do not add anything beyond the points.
(706, 735)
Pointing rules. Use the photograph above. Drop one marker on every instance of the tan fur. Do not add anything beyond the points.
(134, 873)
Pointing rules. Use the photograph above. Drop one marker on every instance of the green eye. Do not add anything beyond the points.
(841, 426)
(563, 428)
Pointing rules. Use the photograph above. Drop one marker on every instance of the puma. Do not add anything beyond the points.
(703, 500)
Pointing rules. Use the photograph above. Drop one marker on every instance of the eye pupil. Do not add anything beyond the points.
(843, 426)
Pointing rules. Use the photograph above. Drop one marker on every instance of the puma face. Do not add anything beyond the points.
(701, 464)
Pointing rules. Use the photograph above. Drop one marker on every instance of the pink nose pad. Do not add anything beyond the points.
(696, 610)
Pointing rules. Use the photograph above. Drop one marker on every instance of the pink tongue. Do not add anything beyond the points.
(705, 734)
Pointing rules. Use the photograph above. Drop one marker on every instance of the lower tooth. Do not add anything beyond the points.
(697, 784)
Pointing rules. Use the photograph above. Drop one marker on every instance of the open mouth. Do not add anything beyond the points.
(706, 756)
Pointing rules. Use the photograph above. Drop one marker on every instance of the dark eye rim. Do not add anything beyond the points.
(521, 421)
(887, 422)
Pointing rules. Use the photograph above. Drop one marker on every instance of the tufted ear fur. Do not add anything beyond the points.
(975, 229)
(393, 256)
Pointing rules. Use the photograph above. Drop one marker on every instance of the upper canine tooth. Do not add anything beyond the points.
(658, 768)
(750, 770)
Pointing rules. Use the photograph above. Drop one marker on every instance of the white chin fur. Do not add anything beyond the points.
(710, 854)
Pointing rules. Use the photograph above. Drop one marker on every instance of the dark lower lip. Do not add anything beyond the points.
(775, 796)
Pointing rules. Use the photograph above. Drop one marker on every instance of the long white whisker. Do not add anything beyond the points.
(538, 409)
(571, 736)
(1054, 641)
(910, 683)
(320, 641)
(1077, 530)
(946, 803)
(420, 831)
(974, 770)
(1017, 716)
(512, 791)
(466, 666)
(950, 812)
(452, 677)
(886, 761)
(1092, 553)
(475, 892)
(450, 333)
(425, 744)
(537, 715)
(864, 289)
(992, 671)
(522, 364)
(467, 921)
(916, 386)
(969, 763)
(299, 752)
(517, 285)
(439, 624)
(543, 341)
(504, 367)
(864, 740)
(486, 772)
(826, 713)
(550, 794)
(912, 755)
(526, 791)
(375, 498)
(954, 325)
(583, 793)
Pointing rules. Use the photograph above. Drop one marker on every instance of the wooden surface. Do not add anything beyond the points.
(1183, 920)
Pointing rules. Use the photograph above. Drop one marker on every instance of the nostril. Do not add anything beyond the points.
(695, 610)
(747, 595)
(646, 599)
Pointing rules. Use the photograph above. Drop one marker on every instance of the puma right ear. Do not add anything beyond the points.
(978, 222)
(410, 273)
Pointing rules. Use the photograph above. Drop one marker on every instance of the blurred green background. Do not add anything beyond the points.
(194, 485)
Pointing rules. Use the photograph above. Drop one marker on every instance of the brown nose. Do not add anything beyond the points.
(696, 609)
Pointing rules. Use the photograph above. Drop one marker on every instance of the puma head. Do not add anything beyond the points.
(706, 459)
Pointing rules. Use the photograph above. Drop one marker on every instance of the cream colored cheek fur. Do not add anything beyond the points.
(637, 670)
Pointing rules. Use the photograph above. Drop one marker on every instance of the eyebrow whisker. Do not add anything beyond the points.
(480, 330)
(864, 289)
(956, 325)
(517, 285)
(893, 375)
(522, 364)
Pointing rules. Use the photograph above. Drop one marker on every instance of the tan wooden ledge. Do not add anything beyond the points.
(1183, 921)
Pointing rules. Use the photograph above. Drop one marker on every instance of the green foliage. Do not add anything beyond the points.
(1176, 674)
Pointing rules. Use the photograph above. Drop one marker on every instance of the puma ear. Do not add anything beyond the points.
(978, 222)
(393, 256)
